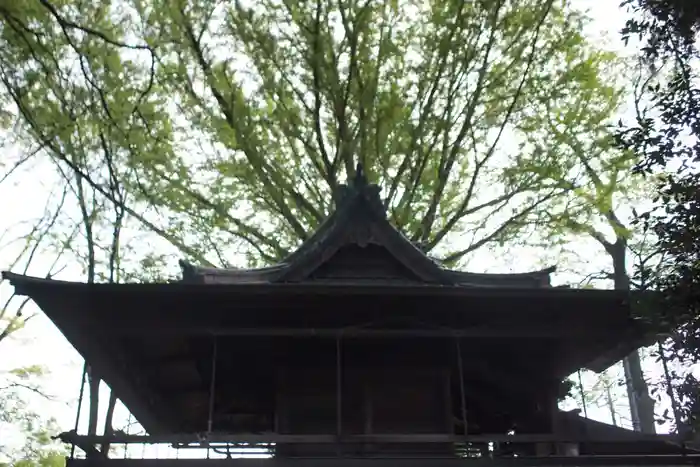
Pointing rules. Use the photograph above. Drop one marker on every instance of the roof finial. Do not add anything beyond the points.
(360, 178)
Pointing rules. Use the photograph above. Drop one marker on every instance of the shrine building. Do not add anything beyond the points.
(356, 350)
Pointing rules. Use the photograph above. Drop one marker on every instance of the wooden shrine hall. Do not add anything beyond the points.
(357, 349)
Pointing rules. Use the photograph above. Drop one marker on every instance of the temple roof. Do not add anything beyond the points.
(152, 343)
(357, 243)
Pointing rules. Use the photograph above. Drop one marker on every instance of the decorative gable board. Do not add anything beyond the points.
(354, 262)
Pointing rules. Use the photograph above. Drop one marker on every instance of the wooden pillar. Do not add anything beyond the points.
(563, 429)
(552, 423)
(568, 449)
(548, 410)
(368, 419)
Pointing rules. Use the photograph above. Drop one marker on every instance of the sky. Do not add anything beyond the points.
(41, 343)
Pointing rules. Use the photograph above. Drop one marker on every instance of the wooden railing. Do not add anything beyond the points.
(470, 449)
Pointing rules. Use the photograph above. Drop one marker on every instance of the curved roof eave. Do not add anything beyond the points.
(534, 279)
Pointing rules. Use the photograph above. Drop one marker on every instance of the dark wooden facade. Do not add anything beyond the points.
(357, 333)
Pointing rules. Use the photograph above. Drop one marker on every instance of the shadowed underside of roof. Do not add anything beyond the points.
(152, 342)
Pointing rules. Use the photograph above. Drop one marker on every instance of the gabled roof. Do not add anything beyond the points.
(358, 244)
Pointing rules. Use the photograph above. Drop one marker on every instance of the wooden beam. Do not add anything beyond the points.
(627, 461)
(188, 329)
(350, 439)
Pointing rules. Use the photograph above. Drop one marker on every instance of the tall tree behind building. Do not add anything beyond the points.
(232, 125)
(666, 135)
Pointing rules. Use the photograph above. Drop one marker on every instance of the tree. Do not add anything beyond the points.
(38, 449)
(12, 314)
(596, 177)
(24, 247)
(70, 228)
(226, 123)
(602, 394)
(666, 136)
(31, 444)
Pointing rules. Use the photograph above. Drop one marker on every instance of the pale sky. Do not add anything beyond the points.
(41, 343)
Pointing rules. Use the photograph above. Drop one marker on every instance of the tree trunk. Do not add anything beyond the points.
(611, 403)
(109, 429)
(94, 385)
(641, 404)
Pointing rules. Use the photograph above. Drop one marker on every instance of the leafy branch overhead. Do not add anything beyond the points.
(230, 126)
